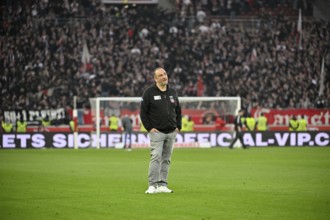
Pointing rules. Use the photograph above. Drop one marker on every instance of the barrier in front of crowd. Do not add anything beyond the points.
(184, 139)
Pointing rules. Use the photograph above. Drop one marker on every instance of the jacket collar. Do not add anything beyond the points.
(167, 87)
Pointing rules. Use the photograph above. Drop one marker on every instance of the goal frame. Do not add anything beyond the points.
(98, 100)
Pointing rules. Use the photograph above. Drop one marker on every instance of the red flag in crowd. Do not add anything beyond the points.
(299, 29)
(85, 59)
(321, 90)
(254, 55)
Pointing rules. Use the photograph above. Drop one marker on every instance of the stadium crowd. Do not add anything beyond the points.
(41, 51)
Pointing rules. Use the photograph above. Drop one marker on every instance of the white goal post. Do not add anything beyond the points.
(103, 107)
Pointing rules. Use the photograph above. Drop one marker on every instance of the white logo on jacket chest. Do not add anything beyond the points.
(157, 97)
(172, 99)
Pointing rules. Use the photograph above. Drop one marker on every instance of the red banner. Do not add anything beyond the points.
(200, 117)
(315, 117)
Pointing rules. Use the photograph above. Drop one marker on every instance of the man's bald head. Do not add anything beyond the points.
(160, 77)
(158, 71)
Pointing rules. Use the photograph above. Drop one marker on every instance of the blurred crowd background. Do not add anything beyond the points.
(209, 48)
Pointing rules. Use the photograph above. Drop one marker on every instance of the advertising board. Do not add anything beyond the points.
(140, 139)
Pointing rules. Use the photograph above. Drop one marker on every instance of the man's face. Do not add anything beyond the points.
(161, 77)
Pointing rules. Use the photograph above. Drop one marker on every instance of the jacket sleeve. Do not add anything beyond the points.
(144, 111)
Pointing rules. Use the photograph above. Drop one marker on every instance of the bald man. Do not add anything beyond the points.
(161, 115)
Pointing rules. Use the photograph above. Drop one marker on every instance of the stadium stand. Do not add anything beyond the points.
(244, 48)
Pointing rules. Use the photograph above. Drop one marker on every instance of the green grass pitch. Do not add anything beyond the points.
(258, 183)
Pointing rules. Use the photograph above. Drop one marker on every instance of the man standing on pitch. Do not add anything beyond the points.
(161, 115)
(238, 125)
(127, 124)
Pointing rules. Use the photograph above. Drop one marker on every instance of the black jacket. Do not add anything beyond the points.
(160, 110)
(238, 123)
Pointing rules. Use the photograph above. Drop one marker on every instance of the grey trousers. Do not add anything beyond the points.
(161, 148)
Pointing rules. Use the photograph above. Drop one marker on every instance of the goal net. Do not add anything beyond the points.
(207, 113)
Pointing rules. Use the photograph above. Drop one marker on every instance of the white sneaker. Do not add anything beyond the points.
(164, 189)
(151, 190)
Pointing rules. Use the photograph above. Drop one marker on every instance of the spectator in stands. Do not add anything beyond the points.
(113, 123)
(250, 123)
(72, 125)
(21, 126)
(190, 124)
(184, 123)
(302, 123)
(45, 123)
(262, 123)
(6, 126)
(320, 102)
(293, 123)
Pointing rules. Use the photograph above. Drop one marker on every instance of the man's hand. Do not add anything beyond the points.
(154, 130)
